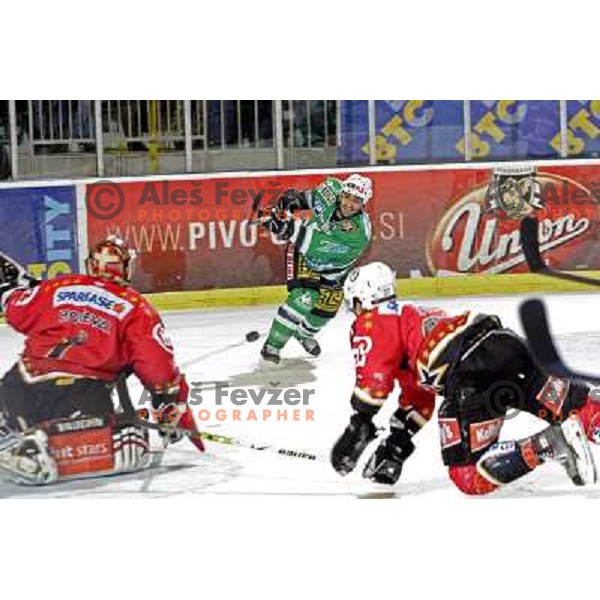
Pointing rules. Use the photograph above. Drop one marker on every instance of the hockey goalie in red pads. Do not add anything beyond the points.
(463, 359)
(82, 333)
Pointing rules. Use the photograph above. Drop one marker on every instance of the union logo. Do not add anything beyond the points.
(469, 238)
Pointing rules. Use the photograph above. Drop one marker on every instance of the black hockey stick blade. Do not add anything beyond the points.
(530, 242)
(531, 248)
(255, 205)
(124, 397)
(541, 343)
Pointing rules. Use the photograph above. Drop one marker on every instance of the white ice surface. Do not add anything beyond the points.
(210, 347)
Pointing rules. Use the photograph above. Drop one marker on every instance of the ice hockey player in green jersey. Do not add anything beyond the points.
(321, 250)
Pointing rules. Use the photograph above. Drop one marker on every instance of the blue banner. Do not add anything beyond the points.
(38, 228)
(583, 128)
(407, 131)
(430, 131)
(515, 129)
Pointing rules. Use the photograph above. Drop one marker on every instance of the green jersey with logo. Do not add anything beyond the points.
(329, 244)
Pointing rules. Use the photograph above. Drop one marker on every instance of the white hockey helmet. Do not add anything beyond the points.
(371, 284)
(358, 186)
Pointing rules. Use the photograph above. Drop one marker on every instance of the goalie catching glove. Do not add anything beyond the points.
(174, 416)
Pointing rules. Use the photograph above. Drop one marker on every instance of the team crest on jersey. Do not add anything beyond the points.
(305, 299)
(159, 333)
(92, 297)
(348, 226)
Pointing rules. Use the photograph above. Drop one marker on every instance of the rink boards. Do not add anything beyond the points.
(196, 248)
(426, 287)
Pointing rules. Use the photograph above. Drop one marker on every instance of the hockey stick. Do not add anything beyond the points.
(124, 397)
(231, 441)
(250, 336)
(531, 248)
(252, 216)
(541, 343)
(128, 417)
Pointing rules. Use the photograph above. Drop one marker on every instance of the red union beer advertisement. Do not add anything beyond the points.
(196, 233)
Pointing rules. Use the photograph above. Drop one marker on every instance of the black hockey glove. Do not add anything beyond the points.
(347, 450)
(281, 224)
(385, 464)
(12, 276)
(281, 221)
(292, 200)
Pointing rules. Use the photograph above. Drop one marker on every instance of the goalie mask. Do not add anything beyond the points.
(514, 191)
(371, 284)
(111, 259)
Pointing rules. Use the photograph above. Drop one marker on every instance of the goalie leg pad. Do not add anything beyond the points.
(27, 458)
(96, 446)
(131, 449)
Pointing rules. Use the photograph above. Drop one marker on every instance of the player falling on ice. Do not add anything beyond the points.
(320, 253)
(82, 333)
(467, 359)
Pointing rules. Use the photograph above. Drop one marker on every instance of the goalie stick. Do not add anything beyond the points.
(529, 230)
(541, 343)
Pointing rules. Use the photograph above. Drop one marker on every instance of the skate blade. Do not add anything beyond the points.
(586, 471)
(268, 365)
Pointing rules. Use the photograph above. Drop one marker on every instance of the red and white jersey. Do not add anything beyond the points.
(402, 343)
(85, 326)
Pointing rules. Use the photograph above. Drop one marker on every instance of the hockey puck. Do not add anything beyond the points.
(252, 336)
